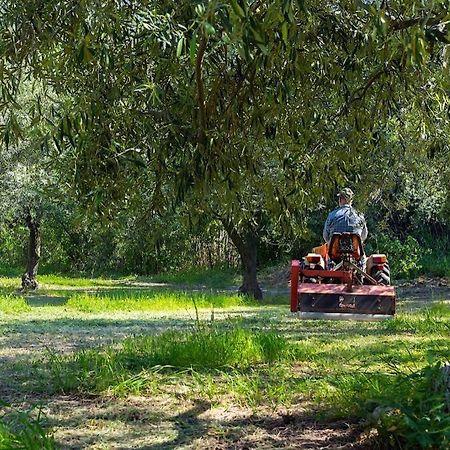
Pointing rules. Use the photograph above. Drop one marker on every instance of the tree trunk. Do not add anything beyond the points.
(246, 245)
(34, 253)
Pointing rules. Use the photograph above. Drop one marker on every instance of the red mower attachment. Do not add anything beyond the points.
(337, 282)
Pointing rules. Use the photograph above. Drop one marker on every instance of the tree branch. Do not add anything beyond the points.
(398, 25)
(201, 90)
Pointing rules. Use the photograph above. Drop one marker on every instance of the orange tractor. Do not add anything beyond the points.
(336, 281)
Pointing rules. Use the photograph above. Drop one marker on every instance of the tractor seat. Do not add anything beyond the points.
(345, 244)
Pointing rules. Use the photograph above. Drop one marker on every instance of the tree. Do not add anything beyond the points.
(252, 111)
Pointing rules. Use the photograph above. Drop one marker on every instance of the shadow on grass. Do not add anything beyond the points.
(36, 301)
(188, 426)
(199, 426)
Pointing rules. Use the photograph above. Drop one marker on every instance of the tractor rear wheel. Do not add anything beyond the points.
(382, 276)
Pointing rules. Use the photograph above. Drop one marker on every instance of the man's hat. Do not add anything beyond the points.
(346, 193)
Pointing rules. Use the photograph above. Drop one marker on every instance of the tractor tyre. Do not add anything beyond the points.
(383, 276)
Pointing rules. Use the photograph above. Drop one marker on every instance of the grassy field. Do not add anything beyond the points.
(129, 364)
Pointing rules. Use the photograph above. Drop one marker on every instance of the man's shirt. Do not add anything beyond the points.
(345, 219)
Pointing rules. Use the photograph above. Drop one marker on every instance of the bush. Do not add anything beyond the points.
(404, 257)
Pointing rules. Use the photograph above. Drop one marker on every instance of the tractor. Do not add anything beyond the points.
(337, 281)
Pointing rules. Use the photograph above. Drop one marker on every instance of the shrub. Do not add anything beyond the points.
(404, 257)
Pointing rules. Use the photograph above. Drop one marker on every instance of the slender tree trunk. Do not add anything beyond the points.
(246, 244)
(34, 254)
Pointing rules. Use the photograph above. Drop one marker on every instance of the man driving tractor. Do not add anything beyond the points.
(345, 218)
(336, 280)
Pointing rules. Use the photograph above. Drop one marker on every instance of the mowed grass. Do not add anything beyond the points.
(385, 373)
(153, 301)
(388, 374)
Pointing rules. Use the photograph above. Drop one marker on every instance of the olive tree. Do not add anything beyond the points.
(251, 111)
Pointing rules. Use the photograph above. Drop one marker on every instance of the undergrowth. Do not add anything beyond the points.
(211, 278)
(24, 430)
(417, 413)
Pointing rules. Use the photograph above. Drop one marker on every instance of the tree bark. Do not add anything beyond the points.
(34, 253)
(246, 245)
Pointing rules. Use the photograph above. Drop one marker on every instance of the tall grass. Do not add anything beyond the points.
(13, 304)
(138, 358)
(153, 301)
(24, 431)
(414, 412)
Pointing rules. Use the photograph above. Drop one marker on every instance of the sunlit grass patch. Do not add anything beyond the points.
(12, 304)
(153, 301)
(61, 280)
(202, 349)
(10, 283)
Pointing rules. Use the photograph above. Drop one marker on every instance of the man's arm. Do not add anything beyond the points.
(364, 231)
(326, 230)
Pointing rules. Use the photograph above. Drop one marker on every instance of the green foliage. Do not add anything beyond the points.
(21, 430)
(436, 263)
(404, 257)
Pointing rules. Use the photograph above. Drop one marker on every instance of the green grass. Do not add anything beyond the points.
(24, 430)
(378, 372)
(210, 278)
(203, 349)
(64, 280)
(329, 352)
(127, 300)
(340, 369)
(13, 304)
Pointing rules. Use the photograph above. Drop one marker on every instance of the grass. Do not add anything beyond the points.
(64, 280)
(341, 369)
(112, 369)
(13, 304)
(24, 430)
(229, 346)
(210, 278)
(261, 358)
(153, 301)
